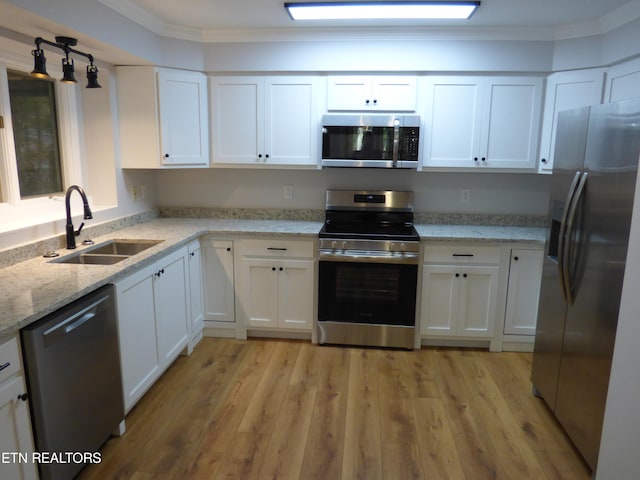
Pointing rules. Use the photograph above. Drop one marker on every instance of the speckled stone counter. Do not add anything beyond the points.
(31, 289)
(481, 233)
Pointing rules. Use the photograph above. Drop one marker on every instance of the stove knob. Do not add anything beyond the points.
(393, 247)
(334, 245)
(403, 247)
(344, 245)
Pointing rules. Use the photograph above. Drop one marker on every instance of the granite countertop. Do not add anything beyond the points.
(31, 289)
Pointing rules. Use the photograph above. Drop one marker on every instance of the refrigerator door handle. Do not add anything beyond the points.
(566, 255)
(562, 234)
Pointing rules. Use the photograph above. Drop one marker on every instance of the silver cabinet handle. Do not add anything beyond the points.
(4, 365)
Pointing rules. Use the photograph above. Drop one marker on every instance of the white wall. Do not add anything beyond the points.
(491, 193)
(409, 55)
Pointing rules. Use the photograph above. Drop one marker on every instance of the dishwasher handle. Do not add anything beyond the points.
(71, 323)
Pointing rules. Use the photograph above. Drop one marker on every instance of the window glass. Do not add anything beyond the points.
(35, 130)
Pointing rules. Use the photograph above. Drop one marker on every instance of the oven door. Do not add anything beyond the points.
(367, 292)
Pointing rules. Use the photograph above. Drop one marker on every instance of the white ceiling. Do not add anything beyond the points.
(217, 20)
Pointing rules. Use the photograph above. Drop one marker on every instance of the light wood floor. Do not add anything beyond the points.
(267, 409)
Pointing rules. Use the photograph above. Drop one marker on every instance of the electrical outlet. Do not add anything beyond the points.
(134, 192)
(288, 192)
(465, 195)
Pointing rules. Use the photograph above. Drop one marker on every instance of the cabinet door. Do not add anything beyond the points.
(184, 120)
(238, 120)
(623, 81)
(258, 292)
(295, 294)
(439, 306)
(196, 308)
(172, 317)
(292, 121)
(349, 92)
(478, 300)
(523, 291)
(218, 281)
(394, 93)
(15, 431)
(566, 90)
(509, 135)
(137, 335)
(452, 126)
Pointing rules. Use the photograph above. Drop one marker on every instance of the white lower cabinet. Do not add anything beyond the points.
(275, 284)
(459, 291)
(218, 278)
(196, 300)
(15, 425)
(153, 322)
(523, 291)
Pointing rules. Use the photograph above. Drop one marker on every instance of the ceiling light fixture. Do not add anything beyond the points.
(387, 10)
(68, 75)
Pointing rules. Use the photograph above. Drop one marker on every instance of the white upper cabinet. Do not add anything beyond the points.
(482, 122)
(163, 116)
(395, 93)
(623, 81)
(266, 121)
(566, 90)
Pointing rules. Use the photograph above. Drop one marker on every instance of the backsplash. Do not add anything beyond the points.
(318, 216)
(307, 215)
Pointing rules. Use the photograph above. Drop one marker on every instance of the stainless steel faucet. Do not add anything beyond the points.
(71, 233)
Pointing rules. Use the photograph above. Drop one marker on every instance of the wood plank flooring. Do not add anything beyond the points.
(284, 409)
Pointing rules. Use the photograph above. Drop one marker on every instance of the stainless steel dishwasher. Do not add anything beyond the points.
(74, 382)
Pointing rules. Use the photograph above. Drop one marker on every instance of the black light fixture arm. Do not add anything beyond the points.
(64, 44)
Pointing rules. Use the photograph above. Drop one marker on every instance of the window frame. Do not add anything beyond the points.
(69, 137)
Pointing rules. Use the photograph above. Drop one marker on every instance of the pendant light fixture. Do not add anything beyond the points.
(382, 10)
(68, 68)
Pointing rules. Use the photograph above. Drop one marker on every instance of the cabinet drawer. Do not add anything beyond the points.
(276, 248)
(9, 359)
(464, 254)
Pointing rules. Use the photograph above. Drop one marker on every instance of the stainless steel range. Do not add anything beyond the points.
(368, 269)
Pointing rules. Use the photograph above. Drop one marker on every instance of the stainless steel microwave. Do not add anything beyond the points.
(377, 141)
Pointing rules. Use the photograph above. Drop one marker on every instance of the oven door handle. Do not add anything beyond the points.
(405, 258)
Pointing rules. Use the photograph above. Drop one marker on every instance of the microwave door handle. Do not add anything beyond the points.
(396, 141)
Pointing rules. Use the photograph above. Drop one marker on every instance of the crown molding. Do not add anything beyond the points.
(370, 33)
(611, 21)
(619, 17)
(133, 12)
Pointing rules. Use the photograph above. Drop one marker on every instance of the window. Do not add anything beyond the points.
(35, 132)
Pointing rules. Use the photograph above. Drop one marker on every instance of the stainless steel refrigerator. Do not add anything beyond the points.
(592, 190)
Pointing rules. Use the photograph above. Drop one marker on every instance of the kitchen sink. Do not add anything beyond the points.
(108, 253)
(123, 247)
(90, 259)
